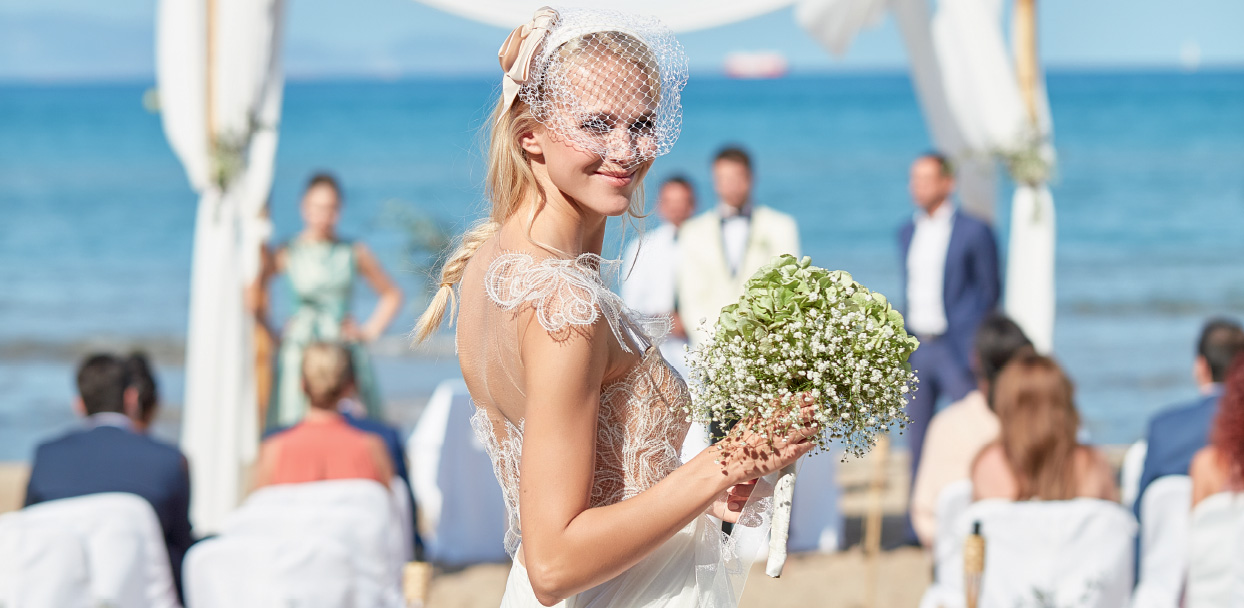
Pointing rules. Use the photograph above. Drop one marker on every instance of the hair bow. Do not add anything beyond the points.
(518, 53)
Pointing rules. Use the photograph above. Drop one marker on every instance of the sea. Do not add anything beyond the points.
(96, 216)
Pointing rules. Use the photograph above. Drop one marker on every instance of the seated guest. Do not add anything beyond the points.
(1219, 466)
(108, 456)
(145, 394)
(323, 446)
(959, 432)
(1037, 456)
(1176, 434)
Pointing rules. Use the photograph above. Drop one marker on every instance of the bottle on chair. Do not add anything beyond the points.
(973, 565)
(416, 577)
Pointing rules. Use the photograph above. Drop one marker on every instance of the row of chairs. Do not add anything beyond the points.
(1080, 552)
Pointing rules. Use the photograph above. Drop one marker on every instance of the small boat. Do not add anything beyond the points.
(756, 64)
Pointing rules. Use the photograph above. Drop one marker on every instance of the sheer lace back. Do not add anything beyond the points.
(641, 422)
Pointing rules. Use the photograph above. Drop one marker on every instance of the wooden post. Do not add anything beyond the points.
(873, 521)
(1026, 54)
(210, 74)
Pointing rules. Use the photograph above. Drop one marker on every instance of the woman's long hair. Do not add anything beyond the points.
(1228, 434)
(1033, 399)
(510, 182)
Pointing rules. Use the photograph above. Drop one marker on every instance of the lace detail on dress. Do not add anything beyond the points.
(640, 427)
(568, 293)
(505, 455)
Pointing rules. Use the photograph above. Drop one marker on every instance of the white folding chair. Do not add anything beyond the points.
(1071, 553)
(461, 508)
(1213, 553)
(1129, 473)
(355, 513)
(42, 565)
(237, 571)
(1164, 511)
(123, 545)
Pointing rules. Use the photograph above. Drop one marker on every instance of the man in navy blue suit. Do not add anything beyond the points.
(951, 283)
(1176, 434)
(108, 456)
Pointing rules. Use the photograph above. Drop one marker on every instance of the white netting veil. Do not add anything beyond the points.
(602, 81)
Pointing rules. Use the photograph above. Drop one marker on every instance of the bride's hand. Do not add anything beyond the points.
(746, 455)
(729, 506)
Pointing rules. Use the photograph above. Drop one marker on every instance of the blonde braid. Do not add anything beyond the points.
(451, 274)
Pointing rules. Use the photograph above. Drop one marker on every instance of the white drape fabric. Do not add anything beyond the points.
(974, 109)
(681, 16)
(96, 550)
(1164, 513)
(220, 420)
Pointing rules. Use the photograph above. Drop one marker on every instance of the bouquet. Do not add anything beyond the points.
(799, 329)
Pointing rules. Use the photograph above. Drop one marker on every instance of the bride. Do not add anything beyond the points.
(582, 417)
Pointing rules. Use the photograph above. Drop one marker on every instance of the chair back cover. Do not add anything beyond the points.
(1214, 553)
(1056, 553)
(462, 515)
(1164, 512)
(41, 565)
(236, 571)
(354, 513)
(112, 543)
(1060, 553)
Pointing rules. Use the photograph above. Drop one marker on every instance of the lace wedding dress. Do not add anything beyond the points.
(641, 423)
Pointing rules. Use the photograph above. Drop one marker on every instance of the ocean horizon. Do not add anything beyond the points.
(95, 246)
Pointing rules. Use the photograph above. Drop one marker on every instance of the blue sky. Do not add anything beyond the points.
(113, 40)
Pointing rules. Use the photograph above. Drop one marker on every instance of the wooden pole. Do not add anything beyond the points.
(210, 75)
(1026, 54)
(873, 521)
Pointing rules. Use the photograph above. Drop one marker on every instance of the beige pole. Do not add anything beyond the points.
(1026, 54)
(873, 521)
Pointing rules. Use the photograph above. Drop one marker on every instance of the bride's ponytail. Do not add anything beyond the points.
(451, 274)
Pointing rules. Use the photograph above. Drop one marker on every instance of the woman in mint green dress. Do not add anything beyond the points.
(321, 268)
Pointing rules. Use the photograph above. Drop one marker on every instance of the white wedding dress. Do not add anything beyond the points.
(641, 424)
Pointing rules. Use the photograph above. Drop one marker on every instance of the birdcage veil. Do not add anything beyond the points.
(603, 81)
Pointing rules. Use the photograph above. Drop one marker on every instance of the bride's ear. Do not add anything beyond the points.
(531, 144)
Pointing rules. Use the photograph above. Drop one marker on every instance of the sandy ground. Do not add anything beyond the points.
(841, 580)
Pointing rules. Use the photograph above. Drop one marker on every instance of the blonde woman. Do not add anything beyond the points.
(582, 416)
(323, 446)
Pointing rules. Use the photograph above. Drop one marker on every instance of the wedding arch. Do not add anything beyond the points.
(220, 81)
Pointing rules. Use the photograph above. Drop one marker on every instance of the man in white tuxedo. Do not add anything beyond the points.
(723, 247)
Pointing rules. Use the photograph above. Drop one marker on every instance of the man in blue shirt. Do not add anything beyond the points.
(107, 455)
(1176, 433)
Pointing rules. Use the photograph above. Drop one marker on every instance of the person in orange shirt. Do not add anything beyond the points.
(323, 445)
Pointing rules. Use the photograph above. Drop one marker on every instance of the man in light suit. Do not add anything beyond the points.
(722, 248)
(1176, 434)
(951, 283)
(109, 456)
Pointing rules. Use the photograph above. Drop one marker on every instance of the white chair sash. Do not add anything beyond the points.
(1214, 554)
(118, 541)
(1164, 512)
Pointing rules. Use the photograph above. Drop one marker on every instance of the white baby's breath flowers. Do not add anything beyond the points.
(803, 329)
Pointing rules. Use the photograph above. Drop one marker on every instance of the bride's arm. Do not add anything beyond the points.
(567, 546)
